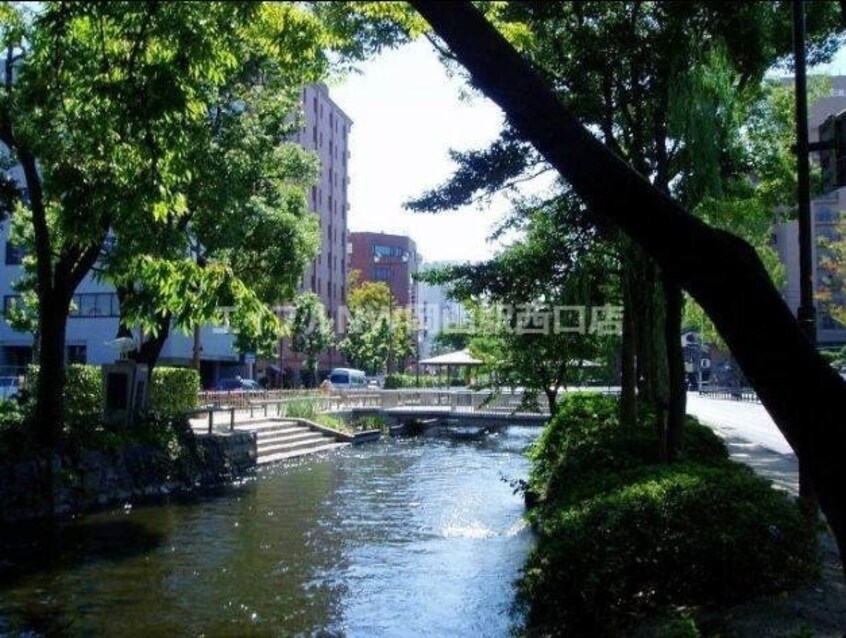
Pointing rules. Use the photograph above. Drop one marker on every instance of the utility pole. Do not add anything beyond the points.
(806, 313)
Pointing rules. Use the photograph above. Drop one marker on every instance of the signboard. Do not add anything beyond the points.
(250, 358)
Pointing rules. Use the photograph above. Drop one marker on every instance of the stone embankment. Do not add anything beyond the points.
(91, 479)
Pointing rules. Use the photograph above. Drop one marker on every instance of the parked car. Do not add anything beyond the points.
(9, 387)
(237, 384)
(347, 379)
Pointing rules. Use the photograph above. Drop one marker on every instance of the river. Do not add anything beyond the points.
(405, 537)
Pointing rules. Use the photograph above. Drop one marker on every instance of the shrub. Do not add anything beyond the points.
(621, 534)
(173, 391)
(396, 381)
(677, 535)
(83, 395)
(584, 448)
(301, 409)
(369, 422)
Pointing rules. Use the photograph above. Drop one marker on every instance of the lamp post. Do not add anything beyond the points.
(806, 313)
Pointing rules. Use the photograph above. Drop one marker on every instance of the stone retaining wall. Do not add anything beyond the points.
(94, 479)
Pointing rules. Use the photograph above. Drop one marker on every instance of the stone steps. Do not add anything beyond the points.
(278, 439)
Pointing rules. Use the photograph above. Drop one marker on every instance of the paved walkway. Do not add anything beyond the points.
(752, 437)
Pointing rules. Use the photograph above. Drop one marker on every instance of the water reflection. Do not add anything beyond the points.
(400, 538)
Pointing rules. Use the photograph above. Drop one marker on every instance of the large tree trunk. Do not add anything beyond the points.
(49, 393)
(677, 405)
(150, 349)
(804, 395)
(628, 365)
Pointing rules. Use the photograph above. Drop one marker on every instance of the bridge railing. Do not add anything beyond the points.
(219, 411)
(738, 393)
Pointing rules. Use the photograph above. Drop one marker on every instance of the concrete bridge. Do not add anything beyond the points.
(445, 416)
(444, 407)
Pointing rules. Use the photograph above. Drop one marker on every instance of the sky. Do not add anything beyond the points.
(406, 115)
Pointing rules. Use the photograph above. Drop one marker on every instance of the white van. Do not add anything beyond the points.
(347, 379)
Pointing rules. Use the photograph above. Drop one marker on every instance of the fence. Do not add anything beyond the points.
(224, 408)
(736, 393)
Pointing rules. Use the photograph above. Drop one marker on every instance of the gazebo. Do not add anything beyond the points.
(459, 358)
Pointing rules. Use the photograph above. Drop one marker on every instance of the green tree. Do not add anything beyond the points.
(830, 289)
(670, 106)
(378, 334)
(246, 214)
(95, 114)
(533, 327)
(450, 340)
(311, 331)
(736, 292)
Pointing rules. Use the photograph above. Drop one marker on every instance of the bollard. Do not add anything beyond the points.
(232, 419)
(211, 421)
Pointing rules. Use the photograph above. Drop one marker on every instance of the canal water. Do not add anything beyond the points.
(408, 537)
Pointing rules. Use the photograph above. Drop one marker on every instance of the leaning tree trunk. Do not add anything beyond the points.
(804, 395)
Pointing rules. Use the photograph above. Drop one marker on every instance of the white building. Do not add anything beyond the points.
(436, 312)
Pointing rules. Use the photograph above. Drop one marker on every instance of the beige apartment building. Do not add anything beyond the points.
(325, 131)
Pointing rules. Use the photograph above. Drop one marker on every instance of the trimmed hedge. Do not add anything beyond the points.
(173, 390)
(621, 536)
(395, 381)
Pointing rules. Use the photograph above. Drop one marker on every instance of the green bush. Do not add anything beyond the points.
(301, 409)
(369, 422)
(396, 381)
(173, 390)
(83, 395)
(683, 534)
(584, 448)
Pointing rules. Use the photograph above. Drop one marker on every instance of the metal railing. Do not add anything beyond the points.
(736, 393)
(240, 406)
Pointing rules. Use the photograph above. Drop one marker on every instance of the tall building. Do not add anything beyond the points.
(390, 259)
(94, 319)
(825, 214)
(326, 132)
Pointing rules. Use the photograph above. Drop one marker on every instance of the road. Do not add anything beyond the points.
(751, 435)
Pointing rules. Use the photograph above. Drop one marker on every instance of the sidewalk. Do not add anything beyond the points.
(754, 439)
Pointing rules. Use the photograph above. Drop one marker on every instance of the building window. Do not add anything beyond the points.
(14, 254)
(314, 134)
(95, 304)
(77, 354)
(314, 103)
(380, 273)
(387, 251)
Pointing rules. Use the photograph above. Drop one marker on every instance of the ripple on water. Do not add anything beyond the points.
(412, 537)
